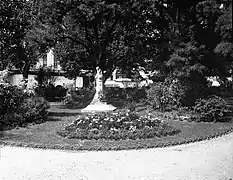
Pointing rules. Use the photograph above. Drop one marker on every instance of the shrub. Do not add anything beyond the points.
(166, 95)
(50, 92)
(10, 98)
(46, 88)
(212, 109)
(34, 110)
(136, 94)
(121, 125)
(18, 108)
(129, 94)
(80, 96)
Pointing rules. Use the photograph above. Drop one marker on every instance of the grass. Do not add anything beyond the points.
(44, 135)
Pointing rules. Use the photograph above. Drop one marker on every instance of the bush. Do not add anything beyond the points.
(34, 110)
(122, 125)
(51, 93)
(10, 98)
(165, 95)
(129, 94)
(212, 109)
(80, 96)
(19, 109)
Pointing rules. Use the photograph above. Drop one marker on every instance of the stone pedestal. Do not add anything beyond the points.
(98, 107)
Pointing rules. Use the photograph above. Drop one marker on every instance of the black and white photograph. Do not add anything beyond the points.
(116, 90)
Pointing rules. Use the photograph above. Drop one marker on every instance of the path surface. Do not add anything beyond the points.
(206, 160)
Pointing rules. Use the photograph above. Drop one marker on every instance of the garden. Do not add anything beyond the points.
(147, 117)
(176, 46)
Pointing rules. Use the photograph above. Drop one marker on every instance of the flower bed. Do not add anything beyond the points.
(115, 126)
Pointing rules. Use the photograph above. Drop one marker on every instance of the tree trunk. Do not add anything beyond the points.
(99, 86)
(25, 75)
(177, 22)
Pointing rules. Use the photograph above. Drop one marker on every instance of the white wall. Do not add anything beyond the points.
(63, 81)
(17, 78)
(59, 80)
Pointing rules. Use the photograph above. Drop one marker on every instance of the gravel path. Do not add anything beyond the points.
(206, 160)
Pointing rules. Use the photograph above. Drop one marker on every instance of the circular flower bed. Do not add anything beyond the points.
(115, 126)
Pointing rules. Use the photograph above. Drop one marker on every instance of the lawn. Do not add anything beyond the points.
(44, 135)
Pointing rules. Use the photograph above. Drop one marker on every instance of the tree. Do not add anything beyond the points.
(99, 35)
(193, 26)
(224, 28)
(18, 45)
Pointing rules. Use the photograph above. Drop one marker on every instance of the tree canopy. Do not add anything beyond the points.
(19, 46)
(174, 37)
(107, 34)
(198, 40)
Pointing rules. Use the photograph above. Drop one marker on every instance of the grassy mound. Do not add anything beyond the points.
(117, 126)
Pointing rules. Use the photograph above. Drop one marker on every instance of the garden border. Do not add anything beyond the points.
(113, 148)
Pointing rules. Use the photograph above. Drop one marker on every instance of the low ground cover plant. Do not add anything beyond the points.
(115, 126)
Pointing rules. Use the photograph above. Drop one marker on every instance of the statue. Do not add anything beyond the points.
(97, 104)
(98, 85)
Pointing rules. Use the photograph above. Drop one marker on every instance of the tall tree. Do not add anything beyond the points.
(18, 45)
(101, 35)
(197, 43)
(224, 29)
(194, 36)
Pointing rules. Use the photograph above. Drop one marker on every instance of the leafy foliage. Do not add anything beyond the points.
(46, 88)
(80, 97)
(17, 108)
(10, 98)
(197, 42)
(117, 126)
(99, 33)
(128, 94)
(51, 93)
(34, 110)
(212, 109)
(166, 95)
(18, 47)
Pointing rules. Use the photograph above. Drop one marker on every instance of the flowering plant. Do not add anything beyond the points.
(120, 125)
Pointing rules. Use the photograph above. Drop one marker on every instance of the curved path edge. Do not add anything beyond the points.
(205, 160)
(113, 148)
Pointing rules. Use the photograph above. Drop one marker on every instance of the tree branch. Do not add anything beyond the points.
(107, 35)
(76, 40)
(96, 32)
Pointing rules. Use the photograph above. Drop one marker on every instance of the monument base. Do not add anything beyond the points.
(98, 107)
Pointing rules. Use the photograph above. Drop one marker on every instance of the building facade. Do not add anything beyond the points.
(116, 80)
